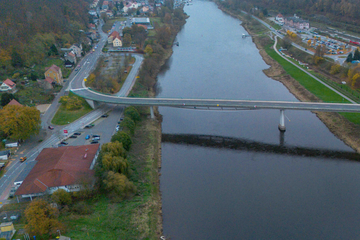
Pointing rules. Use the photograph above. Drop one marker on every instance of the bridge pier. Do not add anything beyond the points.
(152, 115)
(282, 127)
(93, 104)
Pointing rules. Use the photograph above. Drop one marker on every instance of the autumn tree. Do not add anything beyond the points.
(42, 219)
(127, 40)
(61, 197)
(124, 138)
(148, 50)
(114, 148)
(19, 122)
(115, 163)
(163, 36)
(119, 184)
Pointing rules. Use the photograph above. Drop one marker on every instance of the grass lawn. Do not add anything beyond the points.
(312, 85)
(64, 116)
(109, 23)
(135, 218)
(152, 32)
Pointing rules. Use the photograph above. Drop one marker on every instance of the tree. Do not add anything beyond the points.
(119, 184)
(128, 124)
(6, 98)
(124, 138)
(148, 50)
(19, 122)
(356, 54)
(163, 36)
(42, 219)
(349, 57)
(127, 40)
(114, 148)
(61, 197)
(16, 59)
(115, 163)
(132, 113)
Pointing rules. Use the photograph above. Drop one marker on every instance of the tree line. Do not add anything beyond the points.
(31, 30)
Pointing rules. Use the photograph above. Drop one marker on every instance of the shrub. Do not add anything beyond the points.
(61, 197)
(132, 113)
(124, 138)
(128, 124)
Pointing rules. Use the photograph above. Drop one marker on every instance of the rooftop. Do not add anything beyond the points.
(59, 167)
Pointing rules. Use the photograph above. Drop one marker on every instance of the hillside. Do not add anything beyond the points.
(28, 29)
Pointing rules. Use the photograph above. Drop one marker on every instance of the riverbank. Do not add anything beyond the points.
(341, 127)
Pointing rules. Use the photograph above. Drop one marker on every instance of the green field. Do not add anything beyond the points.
(64, 116)
(316, 88)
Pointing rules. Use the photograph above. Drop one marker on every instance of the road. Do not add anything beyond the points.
(76, 80)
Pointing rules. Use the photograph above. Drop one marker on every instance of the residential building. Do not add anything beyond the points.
(109, 14)
(112, 36)
(279, 18)
(8, 86)
(70, 57)
(55, 73)
(69, 168)
(117, 42)
(14, 102)
(297, 22)
(5, 155)
(76, 48)
(7, 230)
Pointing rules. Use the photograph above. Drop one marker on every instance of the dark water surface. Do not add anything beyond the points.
(242, 191)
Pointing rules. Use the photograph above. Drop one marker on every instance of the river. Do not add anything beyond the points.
(219, 192)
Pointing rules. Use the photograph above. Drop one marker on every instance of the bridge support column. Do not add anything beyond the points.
(152, 115)
(93, 104)
(282, 127)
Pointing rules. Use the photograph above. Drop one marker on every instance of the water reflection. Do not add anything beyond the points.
(248, 145)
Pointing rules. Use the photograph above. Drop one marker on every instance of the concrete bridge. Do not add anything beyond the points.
(95, 98)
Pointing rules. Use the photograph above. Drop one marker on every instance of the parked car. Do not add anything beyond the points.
(95, 135)
(73, 136)
(51, 127)
(77, 133)
(89, 126)
(12, 192)
(94, 142)
(87, 137)
(96, 138)
(64, 143)
(104, 115)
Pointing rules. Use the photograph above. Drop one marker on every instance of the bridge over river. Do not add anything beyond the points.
(95, 98)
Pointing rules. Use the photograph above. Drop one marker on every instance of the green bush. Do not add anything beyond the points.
(128, 124)
(132, 113)
(123, 138)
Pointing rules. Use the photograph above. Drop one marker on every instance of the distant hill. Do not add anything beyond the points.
(29, 28)
(329, 11)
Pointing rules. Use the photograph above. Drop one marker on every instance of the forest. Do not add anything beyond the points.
(346, 11)
(32, 30)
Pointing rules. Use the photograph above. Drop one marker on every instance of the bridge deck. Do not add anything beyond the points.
(217, 104)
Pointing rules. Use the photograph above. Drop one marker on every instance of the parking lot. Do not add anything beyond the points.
(103, 127)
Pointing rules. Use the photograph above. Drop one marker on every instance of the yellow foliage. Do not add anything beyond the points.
(42, 219)
(19, 122)
(335, 69)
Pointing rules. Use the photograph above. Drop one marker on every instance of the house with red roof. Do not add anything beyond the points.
(280, 18)
(8, 86)
(69, 168)
(14, 102)
(112, 36)
(55, 73)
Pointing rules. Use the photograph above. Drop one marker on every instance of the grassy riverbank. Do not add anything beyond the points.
(345, 126)
(135, 218)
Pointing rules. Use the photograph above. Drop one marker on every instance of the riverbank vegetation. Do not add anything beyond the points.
(344, 125)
